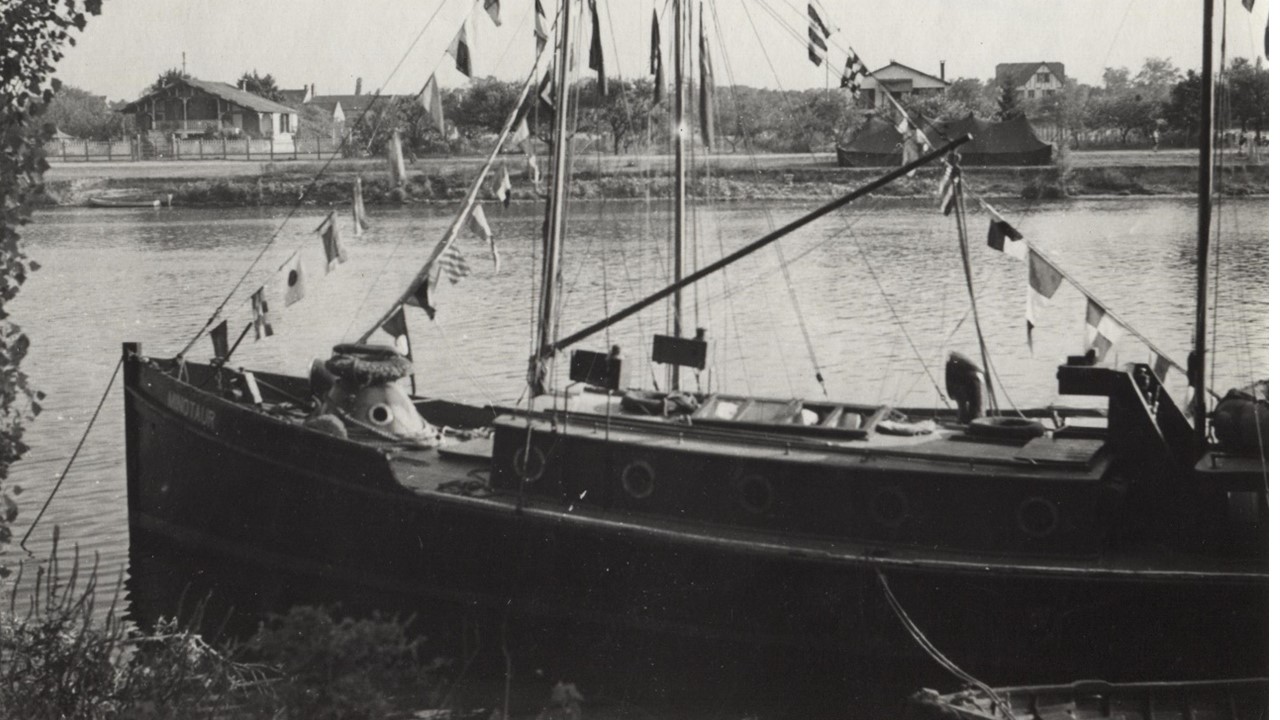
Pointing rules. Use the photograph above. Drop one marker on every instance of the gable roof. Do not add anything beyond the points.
(226, 92)
(351, 104)
(894, 65)
(1020, 73)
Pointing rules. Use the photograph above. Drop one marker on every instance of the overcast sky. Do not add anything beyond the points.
(332, 42)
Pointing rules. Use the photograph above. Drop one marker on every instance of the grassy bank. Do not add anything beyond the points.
(283, 183)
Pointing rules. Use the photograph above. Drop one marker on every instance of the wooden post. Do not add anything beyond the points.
(224, 147)
(86, 150)
(295, 148)
(64, 150)
(108, 149)
(317, 147)
(271, 148)
(200, 146)
(248, 145)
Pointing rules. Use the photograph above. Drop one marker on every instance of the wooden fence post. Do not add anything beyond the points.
(248, 145)
(200, 145)
(271, 148)
(64, 150)
(108, 149)
(224, 147)
(317, 147)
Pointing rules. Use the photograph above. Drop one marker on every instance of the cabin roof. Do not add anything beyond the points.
(1021, 72)
(222, 90)
(897, 71)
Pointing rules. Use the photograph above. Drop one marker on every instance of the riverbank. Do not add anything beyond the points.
(730, 177)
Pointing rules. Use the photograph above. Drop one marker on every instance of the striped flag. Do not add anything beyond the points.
(1101, 330)
(357, 209)
(1042, 283)
(947, 196)
(261, 314)
(453, 264)
(818, 34)
(461, 51)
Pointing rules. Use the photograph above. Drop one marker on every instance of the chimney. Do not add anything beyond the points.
(942, 70)
(312, 92)
(359, 81)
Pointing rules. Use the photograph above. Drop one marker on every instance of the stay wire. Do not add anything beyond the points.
(71, 461)
(346, 138)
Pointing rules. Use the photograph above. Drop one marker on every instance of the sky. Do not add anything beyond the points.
(397, 44)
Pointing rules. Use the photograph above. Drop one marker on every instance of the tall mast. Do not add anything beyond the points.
(677, 254)
(555, 215)
(1196, 366)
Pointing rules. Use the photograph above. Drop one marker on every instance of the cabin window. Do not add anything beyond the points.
(1042, 78)
(1031, 93)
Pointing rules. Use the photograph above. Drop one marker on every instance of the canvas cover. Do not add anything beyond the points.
(877, 143)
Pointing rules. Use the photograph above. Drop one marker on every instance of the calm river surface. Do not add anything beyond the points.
(860, 279)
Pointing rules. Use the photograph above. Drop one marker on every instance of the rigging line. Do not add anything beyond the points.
(310, 186)
(92, 419)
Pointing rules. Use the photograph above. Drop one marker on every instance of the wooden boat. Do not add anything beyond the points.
(726, 516)
(106, 201)
(1098, 700)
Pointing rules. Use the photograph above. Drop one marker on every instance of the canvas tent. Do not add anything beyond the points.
(877, 143)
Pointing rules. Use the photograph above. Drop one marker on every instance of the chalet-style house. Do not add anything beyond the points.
(899, 81)
(1032, 80)
(189, 107)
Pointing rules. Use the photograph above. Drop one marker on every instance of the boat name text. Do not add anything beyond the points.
(192, 410)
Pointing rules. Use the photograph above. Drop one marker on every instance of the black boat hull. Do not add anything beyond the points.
(218, 478)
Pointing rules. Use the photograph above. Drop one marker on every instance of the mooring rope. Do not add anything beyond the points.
(74, 454)
(918, 635)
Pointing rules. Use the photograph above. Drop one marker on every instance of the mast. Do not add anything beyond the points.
(555, 216)
(1196, 366)
(677, 251)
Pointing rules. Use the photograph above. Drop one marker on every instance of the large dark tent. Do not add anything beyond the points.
(1012, 142)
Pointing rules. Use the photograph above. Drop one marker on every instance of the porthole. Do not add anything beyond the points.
(755, 494)
(529, 463)
(889, 507)
(1037, 517)
(638, 480)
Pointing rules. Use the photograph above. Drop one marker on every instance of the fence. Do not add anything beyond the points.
(143, 148)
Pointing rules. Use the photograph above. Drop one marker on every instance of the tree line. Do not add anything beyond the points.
(1126, 108)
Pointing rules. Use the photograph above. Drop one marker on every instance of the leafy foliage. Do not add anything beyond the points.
(166, 78)
(30, 46)
(84, 115)
(262, 85)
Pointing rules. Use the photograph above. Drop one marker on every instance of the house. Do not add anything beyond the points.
(899, 81)
(301, 96)
(1032, 80)
(189, 107)
(343, 107)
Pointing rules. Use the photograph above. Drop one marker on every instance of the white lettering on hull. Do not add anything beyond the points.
(191, 410)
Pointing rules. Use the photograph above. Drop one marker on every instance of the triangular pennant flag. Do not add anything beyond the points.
(1248, 5)
(707, 89)
(431, 103)
(397, 326)
(1162, 365)
(357, 209)
(539, 27)
(453, 264)
(335, 252)
(421, 295)
(293, 279)
(494, 8)
(503, 191)
(1042, 283)
(595, 59)
(1101, 331)
(261, 314)
(818, 34)
(1004, 237)
(655, 60)
(478, 224)
(461, 51)
(520, 133)
(546, 92)
(218, 336)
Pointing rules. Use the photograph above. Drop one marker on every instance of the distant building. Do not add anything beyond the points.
(1033, 80)
(299, 97)
(189, 107)
(900, 81)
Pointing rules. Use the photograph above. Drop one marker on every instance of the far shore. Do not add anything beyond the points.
(728, 176)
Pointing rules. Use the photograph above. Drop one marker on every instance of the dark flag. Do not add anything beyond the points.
(422, 294)
(546, 92)
(261, 315)
(595, 60)
(218, 335)
(818, 34)
(461, 51)
(539, 27)
(397, 326)
(1248, 5)
(707, 95)
(335, 252)
(655, 60)
(1101, 331)
(494, 8)
(1004, 237)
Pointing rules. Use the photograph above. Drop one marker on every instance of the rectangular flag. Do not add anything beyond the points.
(818, 34)
(595, 59)
(335, 253)
(461, 51)
(655, 60)
(357, 209)
(431, 103)
(218, 336)
(293, 280)
(1004, 237)
(1101, 330)
(503, 191)
(707, 90)
(397, 326)
(261, 314)
(1162, 365)
(850, 74)
(494, 8)
(1042, 283)
(422, 294)
(539, 27)
(453, 264)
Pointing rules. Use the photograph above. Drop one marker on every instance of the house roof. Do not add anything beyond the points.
(351, 104)
(226, 92)
(897, 71)
(1020, 73)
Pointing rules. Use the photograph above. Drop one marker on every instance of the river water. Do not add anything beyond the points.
(876, 298)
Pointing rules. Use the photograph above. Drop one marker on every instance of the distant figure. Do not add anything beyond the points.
(1155, 139)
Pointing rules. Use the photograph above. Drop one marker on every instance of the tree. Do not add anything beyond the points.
(165, 79)
(264, 86)
(745, 115)
(84, 115)
(30, 47)
(1181, 110)
(1116, 80)
(1155, 78)
(1247, 94)
(483, 107)
(965, 96)
(1008, 105)
(624, 110)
